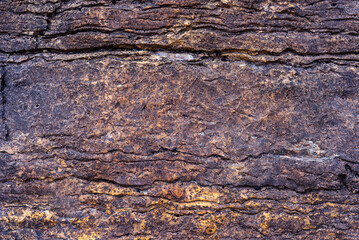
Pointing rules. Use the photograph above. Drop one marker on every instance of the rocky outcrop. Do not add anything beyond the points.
(179, 119)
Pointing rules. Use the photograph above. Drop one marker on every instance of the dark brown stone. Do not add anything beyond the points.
(171, 119)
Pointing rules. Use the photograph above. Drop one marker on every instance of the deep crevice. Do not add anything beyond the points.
(3, 102)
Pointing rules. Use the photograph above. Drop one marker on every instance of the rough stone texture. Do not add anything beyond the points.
(167, 119)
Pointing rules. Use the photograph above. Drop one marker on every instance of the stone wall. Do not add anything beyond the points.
(179, 119)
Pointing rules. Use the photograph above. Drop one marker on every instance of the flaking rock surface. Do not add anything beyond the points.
(167, 119)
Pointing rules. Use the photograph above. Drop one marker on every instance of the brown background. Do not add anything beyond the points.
(167, 119)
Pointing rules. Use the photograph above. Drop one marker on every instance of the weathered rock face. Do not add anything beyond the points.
(180, 119)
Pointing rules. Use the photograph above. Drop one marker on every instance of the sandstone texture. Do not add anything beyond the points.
(179, 119)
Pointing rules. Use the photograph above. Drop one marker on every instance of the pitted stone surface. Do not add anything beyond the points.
(179, 119)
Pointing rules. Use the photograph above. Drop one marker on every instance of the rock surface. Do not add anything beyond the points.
(169, 119)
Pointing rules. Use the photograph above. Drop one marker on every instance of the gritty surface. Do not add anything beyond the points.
(179, 119)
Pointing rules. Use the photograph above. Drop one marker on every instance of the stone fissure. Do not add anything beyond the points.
(4, 132)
